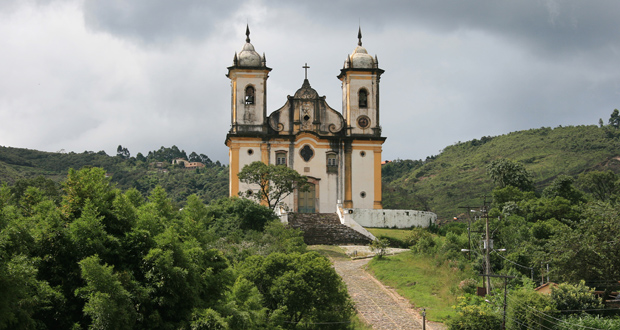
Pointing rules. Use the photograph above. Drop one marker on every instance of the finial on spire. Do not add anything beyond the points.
(306, 67)
(247, 33)
(359, 36)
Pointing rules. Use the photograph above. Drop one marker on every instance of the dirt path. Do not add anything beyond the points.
(377, 305)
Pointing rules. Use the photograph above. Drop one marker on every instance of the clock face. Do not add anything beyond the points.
(363, 122)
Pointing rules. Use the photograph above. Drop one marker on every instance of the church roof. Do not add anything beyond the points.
(306, 92)
(248, 57)
(360, 59)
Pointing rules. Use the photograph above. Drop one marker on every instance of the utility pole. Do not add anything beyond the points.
(469, 210)
(488, 245)
(505, 277)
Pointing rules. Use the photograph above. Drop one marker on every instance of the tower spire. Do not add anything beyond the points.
(359, 36)
(247, 33)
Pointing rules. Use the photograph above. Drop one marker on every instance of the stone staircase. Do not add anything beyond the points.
(325, 228)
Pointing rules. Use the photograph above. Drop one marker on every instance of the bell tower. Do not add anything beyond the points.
(248, 76)
(360, 91)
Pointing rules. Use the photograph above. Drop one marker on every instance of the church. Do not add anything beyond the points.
(338, 151)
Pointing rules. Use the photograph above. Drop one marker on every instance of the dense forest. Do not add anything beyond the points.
(86, 255)
(143, 173)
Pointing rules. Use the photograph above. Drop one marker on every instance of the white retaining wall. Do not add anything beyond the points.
(391, 218)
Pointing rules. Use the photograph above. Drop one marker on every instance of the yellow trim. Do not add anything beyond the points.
(234, 101)
(368, 146)
(348, 98)
(377, 156)
(234, 170)
(348, 181)
(264, 153)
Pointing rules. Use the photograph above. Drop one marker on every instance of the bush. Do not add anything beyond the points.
(453, 244)
(526, 308)
(468, 285)
(379, 246)
(425, 244)
(457, 228)
(421, 237)
(591, 321)
(575, 297)
(394, 242)
(473, 313)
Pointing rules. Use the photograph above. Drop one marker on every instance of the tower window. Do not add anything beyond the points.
(249, 95)
(280, 158)
(363, 98)
(331, 160)
(332, 163)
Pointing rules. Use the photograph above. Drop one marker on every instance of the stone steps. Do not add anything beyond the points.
(325, 228)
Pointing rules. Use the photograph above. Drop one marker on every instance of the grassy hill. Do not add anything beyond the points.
(457, 176)
(208, 183)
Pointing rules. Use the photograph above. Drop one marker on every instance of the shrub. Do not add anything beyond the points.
(473, 313)
(379, 246)
(526, 308)
(394, 242)
(575, 297)
(468, 285)
(588, 322)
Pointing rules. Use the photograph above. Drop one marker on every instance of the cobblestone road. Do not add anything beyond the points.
(376, 304)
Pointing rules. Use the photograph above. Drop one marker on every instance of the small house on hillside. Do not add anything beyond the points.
(186, 164)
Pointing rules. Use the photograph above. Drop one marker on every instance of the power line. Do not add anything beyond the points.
(560, 320)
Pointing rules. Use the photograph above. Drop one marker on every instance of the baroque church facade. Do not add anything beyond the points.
(339, 152)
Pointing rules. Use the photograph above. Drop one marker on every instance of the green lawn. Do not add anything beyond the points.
(400, 234)
(419, 279)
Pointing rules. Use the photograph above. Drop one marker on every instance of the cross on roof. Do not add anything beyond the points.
(306, 67)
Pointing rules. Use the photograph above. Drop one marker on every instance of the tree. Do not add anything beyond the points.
(505, 172)
(614, 119)
(140, 157)
(108, 303)
(601, 185)
(299, 289)
(589, 251)
(193, 157)
(122, 152)
(275, 182)
(562, 186)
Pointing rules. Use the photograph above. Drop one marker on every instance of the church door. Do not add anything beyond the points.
(306, 200)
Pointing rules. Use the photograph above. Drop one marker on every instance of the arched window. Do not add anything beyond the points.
(363, 98)
(281, 158)
(249, 95)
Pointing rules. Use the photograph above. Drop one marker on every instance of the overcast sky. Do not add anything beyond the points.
(80, 75)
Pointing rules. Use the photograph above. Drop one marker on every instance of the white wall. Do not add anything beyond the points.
(391, 218)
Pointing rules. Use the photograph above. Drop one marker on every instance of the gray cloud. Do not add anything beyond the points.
(89, 75)
(156, 21)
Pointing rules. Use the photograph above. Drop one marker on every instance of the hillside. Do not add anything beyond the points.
(210, 182)
(457, 176)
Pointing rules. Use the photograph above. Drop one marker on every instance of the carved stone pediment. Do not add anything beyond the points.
(306, 111)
